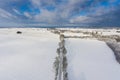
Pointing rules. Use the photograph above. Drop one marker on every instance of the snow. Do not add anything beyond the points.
(27, 56)
(110, 33)
(75, 34)
(105, 32)
(91, 60)
(30, 55)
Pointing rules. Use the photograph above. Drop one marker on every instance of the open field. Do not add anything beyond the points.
(30, 54)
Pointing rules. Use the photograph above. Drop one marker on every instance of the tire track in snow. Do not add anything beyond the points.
(60, 63)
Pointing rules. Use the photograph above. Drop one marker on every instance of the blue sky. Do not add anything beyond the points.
(85, 12)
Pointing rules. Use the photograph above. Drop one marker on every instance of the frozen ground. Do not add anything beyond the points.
(30, 56)
(27, 56)
(91, 60)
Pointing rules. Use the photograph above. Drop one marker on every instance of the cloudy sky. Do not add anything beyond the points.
(83, 12)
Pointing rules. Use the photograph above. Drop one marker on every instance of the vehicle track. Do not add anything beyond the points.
(60, 63)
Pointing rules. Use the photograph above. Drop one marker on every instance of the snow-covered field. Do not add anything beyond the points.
(30, 56)
(91, 60)
(27, 56)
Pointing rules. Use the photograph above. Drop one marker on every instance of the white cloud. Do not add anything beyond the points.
(16, 11)
(40, 3)
(27, 15)
(5, 14)
(78, 19)
(63, 11)
(36, 2)
(76, 1)
(67, 11)
(84, 19)
(46, 16)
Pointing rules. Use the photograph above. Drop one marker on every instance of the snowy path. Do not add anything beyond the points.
(91, 60)
(60, 63)
(27, 57)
